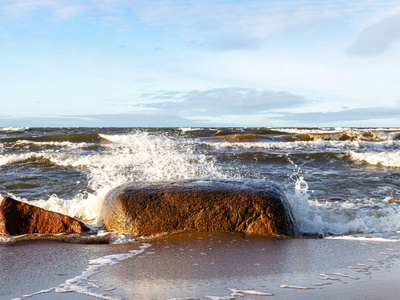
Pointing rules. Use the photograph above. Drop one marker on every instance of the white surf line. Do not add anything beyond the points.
(183, 299)
(284, 286)
(321, 284)
(329, 278)
(241, 293)
(361, 238)
(81, 285)
(340, 275)
(365, 266)
(38, 293)
(220, 298)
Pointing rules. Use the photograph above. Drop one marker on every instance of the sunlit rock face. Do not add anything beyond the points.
(149, 208)
(18, 218)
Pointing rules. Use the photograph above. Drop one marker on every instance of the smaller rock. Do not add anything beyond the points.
(18, 218)
(238, 138)
(396, 200)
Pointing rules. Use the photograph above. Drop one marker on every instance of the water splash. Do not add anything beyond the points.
(342, 217)
(139, 156)
(144, 157)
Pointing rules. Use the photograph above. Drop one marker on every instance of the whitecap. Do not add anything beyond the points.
(387, 159)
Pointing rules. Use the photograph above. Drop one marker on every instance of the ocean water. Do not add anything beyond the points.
(339, 181)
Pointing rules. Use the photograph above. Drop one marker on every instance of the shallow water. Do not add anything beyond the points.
(202, 265)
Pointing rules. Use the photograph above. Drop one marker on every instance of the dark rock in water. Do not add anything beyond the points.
(18, 218)
(395, 200)
(149, 208)
(243, 137)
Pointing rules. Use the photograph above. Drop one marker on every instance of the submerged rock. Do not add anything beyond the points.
(149, 208)
(242, 137)
(18, 218)
(394, 200)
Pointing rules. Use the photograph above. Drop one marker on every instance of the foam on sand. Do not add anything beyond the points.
(241, 293)
(82, 285)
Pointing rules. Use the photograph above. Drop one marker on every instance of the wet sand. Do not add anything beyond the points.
(204, 266)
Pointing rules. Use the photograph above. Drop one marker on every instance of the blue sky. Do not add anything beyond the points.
(199, 63)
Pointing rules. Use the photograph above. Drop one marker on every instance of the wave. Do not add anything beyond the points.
(307, 135)
(386, 159)
(243, 137)
(38, 146)
(73, 138)
(301, 146)
(261, 156)
(65, 160)
(13, 129)
(348, 217)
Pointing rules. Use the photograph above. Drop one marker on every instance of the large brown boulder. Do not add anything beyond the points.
(18, 218)
(149, 208)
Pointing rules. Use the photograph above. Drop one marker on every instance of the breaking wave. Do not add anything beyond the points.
(386, 159)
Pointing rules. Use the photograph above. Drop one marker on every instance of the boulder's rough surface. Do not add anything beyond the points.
(18, 218)
(149, 208)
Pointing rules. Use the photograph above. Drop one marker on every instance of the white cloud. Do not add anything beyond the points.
(377, 38)
(222, 101)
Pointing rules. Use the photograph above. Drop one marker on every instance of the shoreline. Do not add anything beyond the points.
(200, 264)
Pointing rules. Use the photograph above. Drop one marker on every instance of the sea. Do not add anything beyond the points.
(340, 182)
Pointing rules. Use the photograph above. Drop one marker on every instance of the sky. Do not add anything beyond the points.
(190, 63)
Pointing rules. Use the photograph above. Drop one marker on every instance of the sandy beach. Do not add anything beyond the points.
(202, 265)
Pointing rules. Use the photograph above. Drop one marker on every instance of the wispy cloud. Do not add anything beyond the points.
(221, 101)
(377, 38)
(355, 114)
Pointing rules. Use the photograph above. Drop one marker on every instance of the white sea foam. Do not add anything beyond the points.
(144, 157)
(117, 138)
(310, 146)
(80, 284)
(366, 238)
(387, 159)
(220, 298)
(296, 287)
(342, 218)
(64, 144)
(188, 129)
(13, 128)
(241, 293)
